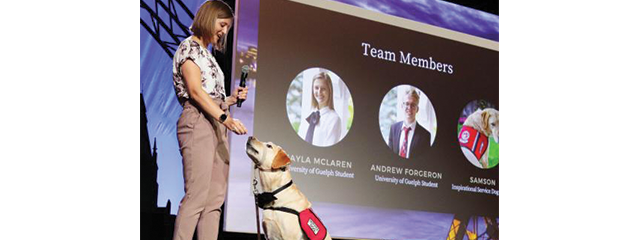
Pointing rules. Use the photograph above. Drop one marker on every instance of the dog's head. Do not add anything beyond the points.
(266, 155)
(491, 122)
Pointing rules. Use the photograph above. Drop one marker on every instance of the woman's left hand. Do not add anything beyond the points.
(239, 93)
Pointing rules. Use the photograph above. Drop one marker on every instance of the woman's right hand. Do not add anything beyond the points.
(235, 126)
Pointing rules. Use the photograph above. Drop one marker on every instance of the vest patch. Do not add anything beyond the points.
(313, 226)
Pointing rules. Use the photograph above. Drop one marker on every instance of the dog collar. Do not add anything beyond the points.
(270, 169)
(283, 187)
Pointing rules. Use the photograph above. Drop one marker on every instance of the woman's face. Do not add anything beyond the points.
(321, 92)
(221, 28)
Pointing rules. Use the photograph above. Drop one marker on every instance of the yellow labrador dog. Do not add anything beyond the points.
(288, 215)
(476, 130)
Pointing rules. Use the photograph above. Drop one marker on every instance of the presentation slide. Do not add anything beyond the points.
(392, 125)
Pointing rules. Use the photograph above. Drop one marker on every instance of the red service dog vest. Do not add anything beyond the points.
(311, 225)
(474, 140)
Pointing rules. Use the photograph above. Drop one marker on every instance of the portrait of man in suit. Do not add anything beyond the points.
(407, 138)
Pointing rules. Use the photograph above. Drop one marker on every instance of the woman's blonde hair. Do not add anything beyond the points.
(205, 19)
(327, 80)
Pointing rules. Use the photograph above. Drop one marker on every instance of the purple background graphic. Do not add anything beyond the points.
(437, 13)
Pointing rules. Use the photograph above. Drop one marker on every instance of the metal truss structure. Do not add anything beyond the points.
(167, 31)
(460, 228)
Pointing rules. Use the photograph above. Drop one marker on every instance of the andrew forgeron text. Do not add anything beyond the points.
(406, 58)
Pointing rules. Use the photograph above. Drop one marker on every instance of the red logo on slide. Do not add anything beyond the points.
(474, 140)
(464, 137)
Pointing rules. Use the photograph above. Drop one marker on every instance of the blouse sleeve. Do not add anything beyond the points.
(188, 51)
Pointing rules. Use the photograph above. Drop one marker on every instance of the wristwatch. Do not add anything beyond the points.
(223, 117)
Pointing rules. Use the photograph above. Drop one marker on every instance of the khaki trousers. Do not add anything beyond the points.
(205, 160)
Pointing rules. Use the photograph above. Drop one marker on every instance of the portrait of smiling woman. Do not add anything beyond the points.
(327, 131)
(320, 107)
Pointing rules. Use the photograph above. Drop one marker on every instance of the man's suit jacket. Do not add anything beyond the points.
(420, 142)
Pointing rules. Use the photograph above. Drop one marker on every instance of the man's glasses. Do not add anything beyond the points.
(413, 105)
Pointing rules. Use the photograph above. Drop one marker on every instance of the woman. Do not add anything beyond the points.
(324, 122)
(202, 127)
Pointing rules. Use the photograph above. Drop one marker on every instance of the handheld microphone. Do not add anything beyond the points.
(243, 81)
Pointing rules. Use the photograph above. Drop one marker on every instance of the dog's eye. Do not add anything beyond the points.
(269, 145)
(493, 124)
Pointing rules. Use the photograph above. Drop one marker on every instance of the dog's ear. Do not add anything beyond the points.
(280, 160)
(485, 120)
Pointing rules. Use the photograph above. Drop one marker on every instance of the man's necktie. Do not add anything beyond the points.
(313, 120)
(403, 150)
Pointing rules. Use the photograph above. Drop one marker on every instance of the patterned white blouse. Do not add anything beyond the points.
(211, 75)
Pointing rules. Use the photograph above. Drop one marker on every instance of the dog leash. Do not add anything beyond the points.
(262, 199)
(255, 199)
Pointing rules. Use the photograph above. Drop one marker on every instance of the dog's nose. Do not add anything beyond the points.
(250, 137)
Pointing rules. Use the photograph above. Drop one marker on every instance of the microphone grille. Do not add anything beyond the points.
(246, 69)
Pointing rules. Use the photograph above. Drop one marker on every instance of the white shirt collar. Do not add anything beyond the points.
(322, 110)
(412, 125)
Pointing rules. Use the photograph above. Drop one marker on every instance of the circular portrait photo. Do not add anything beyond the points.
(478, 128)
(408, 121)
(319, 107)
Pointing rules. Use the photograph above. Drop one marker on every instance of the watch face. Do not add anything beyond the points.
(223, 117)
